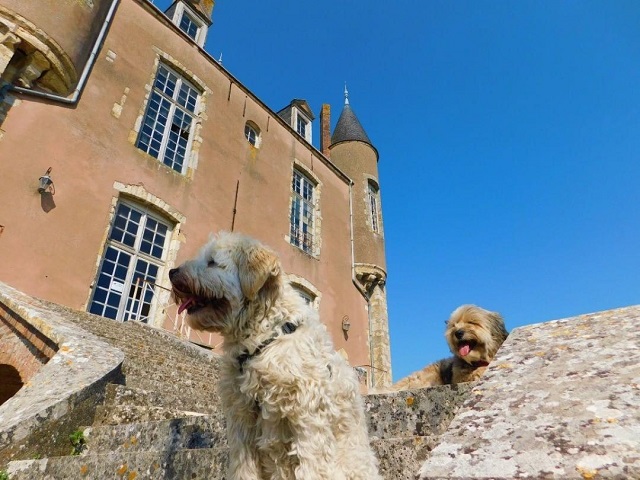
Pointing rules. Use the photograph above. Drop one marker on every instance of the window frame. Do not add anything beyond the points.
(306, 289)
(303, 235)
(132, 299)
(252, 127)
(158, 97)
(373, 204)
(301, 126)
(192, 21)
(302, 120)
(308, 297)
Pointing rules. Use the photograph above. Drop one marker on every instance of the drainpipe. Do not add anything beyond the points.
(83, 77)
(354, 278)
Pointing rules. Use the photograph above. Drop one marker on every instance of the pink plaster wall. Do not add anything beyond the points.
(53, 255)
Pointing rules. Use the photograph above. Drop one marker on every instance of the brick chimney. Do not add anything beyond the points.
(205, 7)
(325, 129)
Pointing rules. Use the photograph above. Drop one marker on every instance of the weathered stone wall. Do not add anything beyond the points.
(63, 392)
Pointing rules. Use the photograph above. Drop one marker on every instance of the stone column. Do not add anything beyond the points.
(379, 337)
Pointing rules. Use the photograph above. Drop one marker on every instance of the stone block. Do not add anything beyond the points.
(193, 432)
(409, 413)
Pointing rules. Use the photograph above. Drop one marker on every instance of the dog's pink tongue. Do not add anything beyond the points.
(186, 304)
(464, 350)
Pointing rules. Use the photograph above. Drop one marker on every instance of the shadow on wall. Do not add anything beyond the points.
(10, 382)
(46, 202)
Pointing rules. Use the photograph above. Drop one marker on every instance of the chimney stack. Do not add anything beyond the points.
(325, 129)
(205, 7)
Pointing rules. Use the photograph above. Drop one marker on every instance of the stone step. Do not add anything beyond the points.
(131, 405)
(172, 362)
(401, 458)
(206, 463)
(179, 376)
(175, 434)
(125, 414)
(135, 337)
(204, 379)
(414, 413)
(120, 398)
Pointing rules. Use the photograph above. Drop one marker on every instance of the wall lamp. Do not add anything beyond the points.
(46, 184)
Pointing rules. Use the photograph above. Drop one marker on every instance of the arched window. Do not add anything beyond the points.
(252, 134)
(309, 293)
(307, 296)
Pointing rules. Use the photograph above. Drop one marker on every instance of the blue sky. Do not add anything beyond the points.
(509, 141)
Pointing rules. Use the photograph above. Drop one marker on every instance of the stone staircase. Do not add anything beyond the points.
(163, 420)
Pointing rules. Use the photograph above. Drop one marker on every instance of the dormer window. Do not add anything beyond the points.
(190, 21)
(299, 116)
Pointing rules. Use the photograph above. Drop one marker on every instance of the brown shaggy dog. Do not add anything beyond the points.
(474, 336)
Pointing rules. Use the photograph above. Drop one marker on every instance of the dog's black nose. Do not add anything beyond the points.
(172, 272)
(459, 334)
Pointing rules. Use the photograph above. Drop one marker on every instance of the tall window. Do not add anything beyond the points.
(302, 212)
(374, 206)
(168, 122)
(134, 253)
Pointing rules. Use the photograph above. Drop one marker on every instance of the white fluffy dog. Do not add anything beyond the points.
(292, 403)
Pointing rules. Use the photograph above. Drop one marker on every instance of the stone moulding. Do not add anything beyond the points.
(61, 76)
(75, 376)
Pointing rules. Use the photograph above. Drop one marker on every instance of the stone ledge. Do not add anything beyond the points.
(414, 413)
(193, 432)
(74, 378)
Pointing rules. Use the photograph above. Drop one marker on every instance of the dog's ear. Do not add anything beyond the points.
(256, 266)
(498, 327)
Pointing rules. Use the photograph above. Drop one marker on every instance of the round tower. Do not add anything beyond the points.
(352, 152)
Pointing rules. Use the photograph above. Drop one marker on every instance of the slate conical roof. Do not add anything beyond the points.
(348, 127)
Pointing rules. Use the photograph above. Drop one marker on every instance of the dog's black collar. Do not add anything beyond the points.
(287, 328)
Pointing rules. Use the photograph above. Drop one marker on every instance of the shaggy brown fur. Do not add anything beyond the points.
(474, 336)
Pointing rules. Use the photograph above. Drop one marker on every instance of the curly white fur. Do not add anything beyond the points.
(293, 410)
